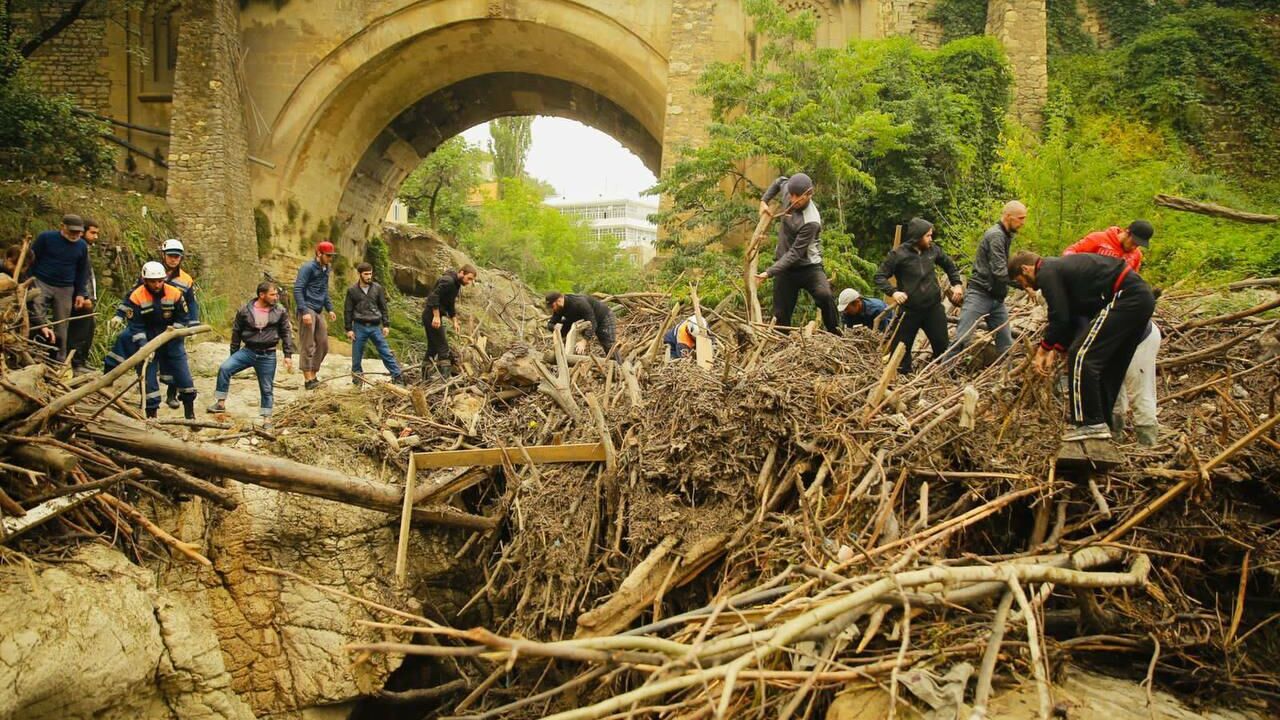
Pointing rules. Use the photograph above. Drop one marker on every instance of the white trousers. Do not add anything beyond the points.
(1140, 382)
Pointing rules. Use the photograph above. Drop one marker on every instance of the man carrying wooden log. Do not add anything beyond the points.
(989, 283)
(569, 309)
(172, 253)
(260, 325)
(443, 302)
(1120, 303)
(153, 307)
(797, 261)
(913, 265)
(1139, 392)
(681, 339)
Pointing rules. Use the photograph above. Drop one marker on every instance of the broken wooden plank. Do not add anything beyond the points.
(11, 527)
(1089, 455)
(536, 454)
(450, 485)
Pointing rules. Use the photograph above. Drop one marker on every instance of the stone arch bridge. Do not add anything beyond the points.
(308, 114)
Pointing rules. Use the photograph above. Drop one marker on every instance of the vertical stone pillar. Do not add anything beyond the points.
(209, 190)
(692, 40)
(1022, 26)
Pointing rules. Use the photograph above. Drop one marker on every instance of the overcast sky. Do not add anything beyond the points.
(580, 162)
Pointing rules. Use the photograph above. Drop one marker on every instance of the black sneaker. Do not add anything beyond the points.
(311, 385)
(399, 380)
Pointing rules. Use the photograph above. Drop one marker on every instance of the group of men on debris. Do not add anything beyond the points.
(1099, 307)
(1099, 310)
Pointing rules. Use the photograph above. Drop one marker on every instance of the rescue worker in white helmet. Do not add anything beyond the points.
(681, 339)
(151, 308)
(173, 253)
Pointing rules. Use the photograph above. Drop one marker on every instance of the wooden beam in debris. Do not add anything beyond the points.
(535, 454)
(1089, 455)
(11, 526)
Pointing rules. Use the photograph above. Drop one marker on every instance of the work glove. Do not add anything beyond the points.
(116, 322)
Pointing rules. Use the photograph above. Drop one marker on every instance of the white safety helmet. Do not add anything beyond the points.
(848, 296)
(173, 246)
(153, 271)
(697, 326)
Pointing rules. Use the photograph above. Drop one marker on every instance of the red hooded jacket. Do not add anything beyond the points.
(1107, 242)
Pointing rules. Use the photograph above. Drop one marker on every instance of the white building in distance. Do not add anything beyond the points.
(627, 220)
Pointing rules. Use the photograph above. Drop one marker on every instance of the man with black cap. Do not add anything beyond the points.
(913, 264)
(61, 271)
(797, 261)
(1120, 303)
(1124, 243)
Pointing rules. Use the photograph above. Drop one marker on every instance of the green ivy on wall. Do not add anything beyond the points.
(960, 18)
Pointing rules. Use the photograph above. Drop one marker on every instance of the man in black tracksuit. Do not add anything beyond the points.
(797, 263)
(569, 309)
(913, 264)
(442, 302)
(1120, 303)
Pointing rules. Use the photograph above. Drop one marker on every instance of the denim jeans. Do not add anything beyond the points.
(976, 305)
(372, 331)
(264, 366)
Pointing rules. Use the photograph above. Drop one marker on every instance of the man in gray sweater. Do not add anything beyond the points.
(798, 258)
(989, 283)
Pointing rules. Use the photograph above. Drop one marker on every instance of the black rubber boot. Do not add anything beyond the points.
(189, 407)
(171, 399)
(152, 413)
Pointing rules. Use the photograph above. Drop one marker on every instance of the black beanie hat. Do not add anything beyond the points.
(916, 229)
(799, 184)
(1142, 232)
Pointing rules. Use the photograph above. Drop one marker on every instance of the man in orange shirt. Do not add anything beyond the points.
(1124, 243)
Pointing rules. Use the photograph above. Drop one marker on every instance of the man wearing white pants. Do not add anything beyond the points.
(1140, 390)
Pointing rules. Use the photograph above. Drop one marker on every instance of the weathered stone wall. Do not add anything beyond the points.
(1023, 26)
(209, 154)
(72, 62)
(910, 18)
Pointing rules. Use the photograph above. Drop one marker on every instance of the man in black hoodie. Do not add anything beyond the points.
(569, 309)
(443, 302)
(797, 261)
(913, 265)
(1120, 303)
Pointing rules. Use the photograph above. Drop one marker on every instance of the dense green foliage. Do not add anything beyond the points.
(510, 139)
(40, 136)
(1210, 76)
(887, 130)
(960, 18)
(436, 191)
(548, 250)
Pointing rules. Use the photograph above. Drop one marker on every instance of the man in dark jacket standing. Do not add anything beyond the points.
(1120, 303)
(367, 318)
(311, 302)
(989, 283)
(83, 321)
(61, 270)
(913, 265)
(442, 302)
(569, 309)
(797, 263)
(259, 326)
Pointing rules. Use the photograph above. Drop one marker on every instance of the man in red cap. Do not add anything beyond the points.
(311, 302)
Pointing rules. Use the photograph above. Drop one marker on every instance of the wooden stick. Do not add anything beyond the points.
(1230, 317)
(187, 549)
(536, 454)
(1214, 210)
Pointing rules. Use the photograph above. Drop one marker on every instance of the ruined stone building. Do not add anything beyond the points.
(306, 115)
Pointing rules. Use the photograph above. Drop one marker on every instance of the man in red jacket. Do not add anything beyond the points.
(1123, 243)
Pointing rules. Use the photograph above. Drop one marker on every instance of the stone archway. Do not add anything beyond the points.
(367, 113)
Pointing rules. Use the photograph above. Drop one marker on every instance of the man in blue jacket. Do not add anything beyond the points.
(61, 271)
(868, 312)
(311, 302)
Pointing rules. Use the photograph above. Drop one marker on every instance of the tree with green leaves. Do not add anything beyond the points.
(510, 139)
(547, 249)
(888, 130)
(436, 191)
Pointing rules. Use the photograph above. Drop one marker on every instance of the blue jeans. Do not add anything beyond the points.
(976, 305)
(365, 332)
(264, 366)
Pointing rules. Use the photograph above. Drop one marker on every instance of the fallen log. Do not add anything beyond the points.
(175, 477)
(45, 457)
(1214, 210)
(11, 527)
(1230, 317)
(121, 433)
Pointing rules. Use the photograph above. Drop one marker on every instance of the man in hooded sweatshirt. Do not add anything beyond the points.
(913, 265)
(798, 258)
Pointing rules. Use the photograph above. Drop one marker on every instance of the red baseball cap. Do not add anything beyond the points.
(326, 248)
